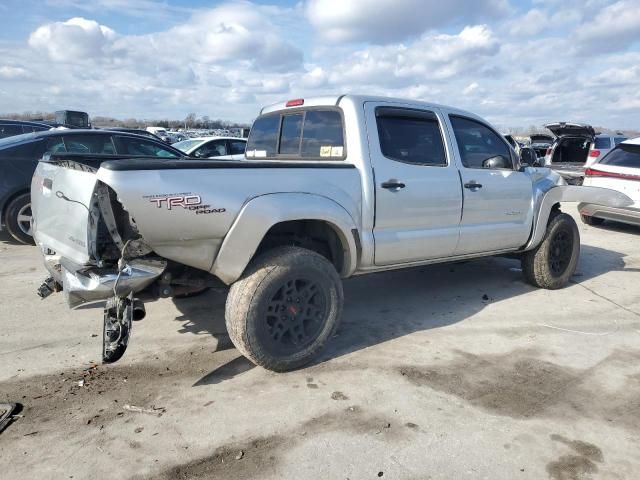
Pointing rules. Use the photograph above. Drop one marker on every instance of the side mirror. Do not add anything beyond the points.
(497, 162)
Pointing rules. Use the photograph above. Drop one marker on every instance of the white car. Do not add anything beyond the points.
(221, 148)
(618, 170)
(602, 144)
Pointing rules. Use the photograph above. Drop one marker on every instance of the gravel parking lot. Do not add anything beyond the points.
(450, 371)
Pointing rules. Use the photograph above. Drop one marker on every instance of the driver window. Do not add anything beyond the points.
(479, 146)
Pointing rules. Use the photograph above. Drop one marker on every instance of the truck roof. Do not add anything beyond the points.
(336, 100)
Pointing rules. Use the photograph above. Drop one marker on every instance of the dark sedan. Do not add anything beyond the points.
(9, 128)
(19, 157)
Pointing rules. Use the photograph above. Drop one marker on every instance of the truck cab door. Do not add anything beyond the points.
(417, 187)
(497, 211)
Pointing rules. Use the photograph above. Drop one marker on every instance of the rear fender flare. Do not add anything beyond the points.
(571, 193)
(258, 215)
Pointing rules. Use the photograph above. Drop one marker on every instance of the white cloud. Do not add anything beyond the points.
(381, 21)
(76, 39)
(431, 58)
(471, 88)
(615, 27)
(228, 61)
(12, 73)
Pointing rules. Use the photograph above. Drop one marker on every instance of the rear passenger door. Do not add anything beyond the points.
(497, 212)
(418, 192)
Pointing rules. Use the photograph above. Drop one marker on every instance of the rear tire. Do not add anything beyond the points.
(552, 264)
(18, 219)
(593, 221)
(285, 308)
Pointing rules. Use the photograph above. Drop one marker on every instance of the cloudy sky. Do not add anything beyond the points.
(516, 62)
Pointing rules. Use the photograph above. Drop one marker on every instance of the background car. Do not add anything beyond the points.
(136, 131)
(9, 128)
(19, 157)
(569, 152)
(618, 170)
(603, 143)
(221, 148)
(541, 142)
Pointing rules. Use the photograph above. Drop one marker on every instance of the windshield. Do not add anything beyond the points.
(187, 145)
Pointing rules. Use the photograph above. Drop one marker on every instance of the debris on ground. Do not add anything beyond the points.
(239, 455)
(157, 411)
(139, 429)
(339, 396)
(6, 417)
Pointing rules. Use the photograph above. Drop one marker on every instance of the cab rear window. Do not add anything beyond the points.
(307, 134)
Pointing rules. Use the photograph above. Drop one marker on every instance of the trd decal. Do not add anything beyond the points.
(187, 201)
(183, 201)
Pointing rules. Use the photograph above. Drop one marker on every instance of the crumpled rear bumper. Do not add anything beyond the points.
(82, 284)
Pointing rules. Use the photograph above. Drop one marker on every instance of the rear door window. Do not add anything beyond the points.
(623, 156)
(55, 145)
(602, 143)
(98, 144)
(619, 140)
(308, 134)
(142, 147)
(10, 130)
(410, 136)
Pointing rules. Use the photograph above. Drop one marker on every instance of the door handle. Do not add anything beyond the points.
(392, 185)
(472, 185)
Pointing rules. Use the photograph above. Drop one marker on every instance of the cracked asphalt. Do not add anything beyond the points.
(451, 371)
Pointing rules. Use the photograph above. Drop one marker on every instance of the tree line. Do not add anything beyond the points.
(190, 121)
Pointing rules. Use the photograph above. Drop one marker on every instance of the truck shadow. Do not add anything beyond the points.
(384, 306)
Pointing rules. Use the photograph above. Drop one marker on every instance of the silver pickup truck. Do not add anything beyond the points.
(331, 187)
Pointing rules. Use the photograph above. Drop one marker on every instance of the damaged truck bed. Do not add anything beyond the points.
(331, 187)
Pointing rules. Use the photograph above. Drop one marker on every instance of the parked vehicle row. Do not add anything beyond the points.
(330, 188)
(575, 148)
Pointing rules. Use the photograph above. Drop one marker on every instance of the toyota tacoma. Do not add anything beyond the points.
(330, 188)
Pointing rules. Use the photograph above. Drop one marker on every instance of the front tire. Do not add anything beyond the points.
(285, 308)
(18, 219)
(552, 264)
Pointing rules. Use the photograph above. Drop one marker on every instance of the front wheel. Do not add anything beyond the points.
(285, 308)
(552, 263)
(18, 218)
